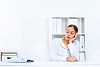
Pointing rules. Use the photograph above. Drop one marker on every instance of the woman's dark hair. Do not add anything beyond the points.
(74, 26)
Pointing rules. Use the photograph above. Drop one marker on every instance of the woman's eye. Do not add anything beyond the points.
(67, 32)
(72, 33)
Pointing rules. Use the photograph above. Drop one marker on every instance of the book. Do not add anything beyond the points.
(54, 25)
(59, 26)
(82, 56)
(64, 25)
(82, 43)
(73, 21)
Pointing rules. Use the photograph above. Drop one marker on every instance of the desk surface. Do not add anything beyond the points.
(50, 63)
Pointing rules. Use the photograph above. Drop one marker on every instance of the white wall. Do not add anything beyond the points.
(24, 24)
(23, 28)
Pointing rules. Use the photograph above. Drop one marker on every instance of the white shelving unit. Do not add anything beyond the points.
(57, 27)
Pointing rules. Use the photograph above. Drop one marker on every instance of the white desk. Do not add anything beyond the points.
(51, 64)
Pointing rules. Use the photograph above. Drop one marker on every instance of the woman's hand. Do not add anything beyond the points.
(71, 40)
(71, 59)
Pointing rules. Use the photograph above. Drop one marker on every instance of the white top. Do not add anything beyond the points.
(60, 52)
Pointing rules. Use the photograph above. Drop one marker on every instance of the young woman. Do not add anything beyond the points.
(66, 48)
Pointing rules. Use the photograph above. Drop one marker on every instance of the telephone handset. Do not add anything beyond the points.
(19, 60)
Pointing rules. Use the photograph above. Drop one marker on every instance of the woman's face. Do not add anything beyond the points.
(70, 33)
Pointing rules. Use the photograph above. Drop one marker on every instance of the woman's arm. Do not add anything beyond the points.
(74, 49)
(55, 46)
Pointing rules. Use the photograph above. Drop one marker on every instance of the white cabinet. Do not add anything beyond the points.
(57, 27)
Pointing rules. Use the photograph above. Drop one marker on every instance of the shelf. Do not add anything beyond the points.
(58, 25)
(64, 34)
(82, 51)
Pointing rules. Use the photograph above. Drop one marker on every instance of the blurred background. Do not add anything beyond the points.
(24, 25)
